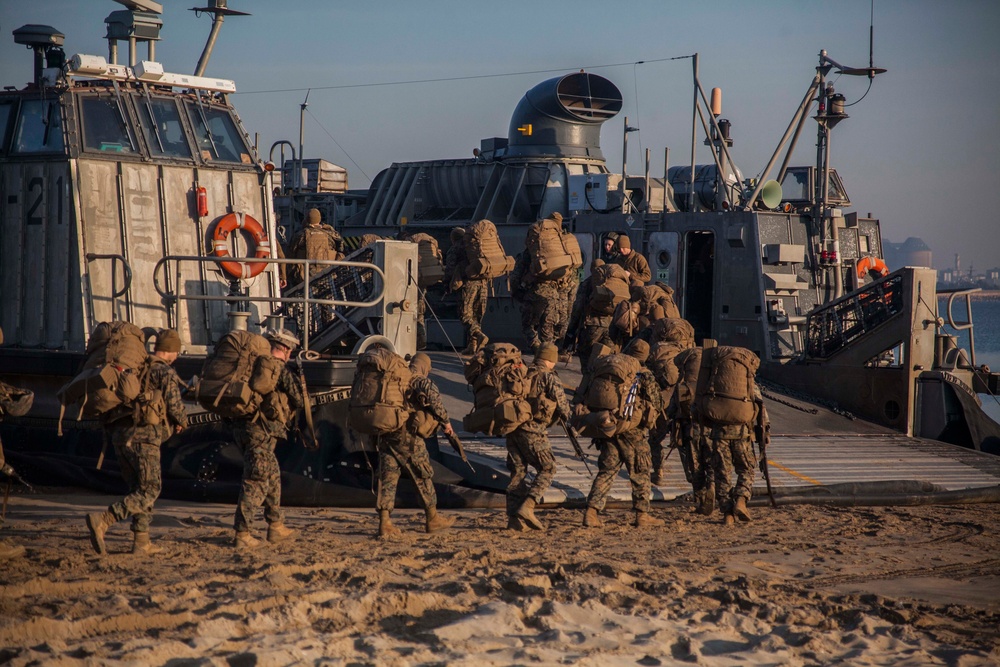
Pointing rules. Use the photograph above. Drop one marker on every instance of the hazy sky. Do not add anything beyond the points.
(920, 151)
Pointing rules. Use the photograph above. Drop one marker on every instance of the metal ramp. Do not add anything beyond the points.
(841, 323)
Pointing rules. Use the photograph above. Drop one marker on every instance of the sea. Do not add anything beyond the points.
(986, 329)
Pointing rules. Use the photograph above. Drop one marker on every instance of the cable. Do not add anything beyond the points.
(338, 144)
(455, 78)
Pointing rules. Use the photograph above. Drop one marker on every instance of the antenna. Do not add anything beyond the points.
(871, 70)
(219, 12)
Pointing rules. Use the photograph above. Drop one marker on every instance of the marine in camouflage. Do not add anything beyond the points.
(732, 463)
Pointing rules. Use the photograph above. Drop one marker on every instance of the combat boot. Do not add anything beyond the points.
(646, 520)
(471, 347)
(656, 477)
(278, 532)
(385, 527)
(481, 340)
(527, 513)
(706, 505)
(98, 524)
(740, 509)
(729, 521)
(142, 545)
(245, 540)
(514, 523)
(436, 522)
(590, 518)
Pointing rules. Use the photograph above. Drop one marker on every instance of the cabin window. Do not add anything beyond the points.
(39, 127)
(104, 128)
(797, 186)
(217, 136)
(161, 124)
(7, 113)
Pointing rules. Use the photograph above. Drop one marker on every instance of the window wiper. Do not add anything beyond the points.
(208, 131)
(121, 115)
(152, 117)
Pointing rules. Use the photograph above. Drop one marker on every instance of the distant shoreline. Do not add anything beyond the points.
(985, 295)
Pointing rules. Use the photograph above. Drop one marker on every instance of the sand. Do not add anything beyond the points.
(796, 586)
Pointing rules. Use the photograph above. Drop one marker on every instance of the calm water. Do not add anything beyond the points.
(986, 317)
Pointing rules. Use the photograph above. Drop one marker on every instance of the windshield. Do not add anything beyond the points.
(161, 124)
(104, 129)
(217, 135)
(39, 127)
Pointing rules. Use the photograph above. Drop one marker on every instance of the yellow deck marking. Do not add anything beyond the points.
(793, 473)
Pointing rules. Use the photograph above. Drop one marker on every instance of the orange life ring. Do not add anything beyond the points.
(866, 264)
(220, 244)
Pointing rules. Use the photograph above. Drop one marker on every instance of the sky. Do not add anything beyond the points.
(398, 80)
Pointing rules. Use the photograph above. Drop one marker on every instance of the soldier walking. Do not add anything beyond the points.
(529, 443)
(472, 293)
(405, 450)
(587, 328)
(316, 241)
(257, 435)
(136, 435)
(629, 448)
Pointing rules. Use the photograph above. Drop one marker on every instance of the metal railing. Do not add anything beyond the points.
(833, 327)
(306, 303)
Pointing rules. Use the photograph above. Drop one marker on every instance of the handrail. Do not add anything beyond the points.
(126, 269)
(967, 324)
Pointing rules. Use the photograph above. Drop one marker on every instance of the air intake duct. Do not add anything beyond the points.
(562, 117)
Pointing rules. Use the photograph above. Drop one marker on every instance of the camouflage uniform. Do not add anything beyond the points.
(731, 449)
(568, 287)
(472, 294)
(421, 299)
(318, 241)
(137, 447)
(407, 451)
(631, 449)
(542, 303)
(586, 328)
(529, 443)
(256, 437)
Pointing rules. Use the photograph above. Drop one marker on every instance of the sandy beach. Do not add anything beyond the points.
(798, 585)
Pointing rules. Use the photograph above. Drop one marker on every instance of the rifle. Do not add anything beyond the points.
(313, 442)
(580, 454)
(761, 433)
(456, 444)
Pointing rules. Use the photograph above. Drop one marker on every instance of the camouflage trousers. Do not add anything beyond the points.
(472, 305)
(397, 452)
(630, 449)
(138, 452)
(568, 295)
(541, 311)
(261, 474)
(528, 447)
(421, 324)
(728, 450)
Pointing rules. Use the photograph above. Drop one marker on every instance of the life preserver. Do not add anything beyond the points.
(226, 225)
(866, 264)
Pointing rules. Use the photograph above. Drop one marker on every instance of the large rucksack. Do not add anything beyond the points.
(609, 288)
(611, 398)
(484, 254)
(674, 330)
(661, 363)
(430, 265)
(656, 294)
(725, 393)
(688, 364)
(501, 386)
(113, 373)
(554, 253)
(225, 386)
(378, 402)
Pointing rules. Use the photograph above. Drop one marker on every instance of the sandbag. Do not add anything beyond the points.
(378, 394)
(224, 385)
(725, 389)
(484, 254)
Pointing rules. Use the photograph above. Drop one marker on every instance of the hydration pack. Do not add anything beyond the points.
(609, 288)
(378, 402)
(113, 374)
(554, 253)
(225, 386)
(501, 386)
(725, 390)
(484, 254)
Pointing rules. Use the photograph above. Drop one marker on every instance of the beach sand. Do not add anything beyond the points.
(798, 585)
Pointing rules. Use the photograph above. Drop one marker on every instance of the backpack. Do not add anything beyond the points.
(725, 390)
(626, 319)
(113, 373)
(430, 265)
(484, 254)
(688, 364)
(613, 405)
(610, 287)
(666, 372)
(378, 402)
(554, 253)
(14, 401)
(543, 408)
(657, 294)
(673, 330)
(225, 386)
(501, 386)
